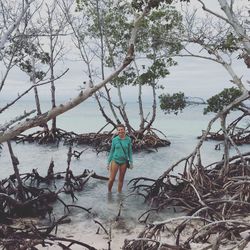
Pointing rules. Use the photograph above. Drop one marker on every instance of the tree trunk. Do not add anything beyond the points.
(106, 89)
(52, 77)
(123, 111)
(8, 68)
(142, 120)
(15, 162)
(153, 110)
(33, 79)
(11, 28)
(238, 28)
(100, 23)
(103, 113)
(225, 167)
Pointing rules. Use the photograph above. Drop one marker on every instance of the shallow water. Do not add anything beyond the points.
(181, 130)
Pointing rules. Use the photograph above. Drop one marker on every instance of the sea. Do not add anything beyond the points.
(181, 130)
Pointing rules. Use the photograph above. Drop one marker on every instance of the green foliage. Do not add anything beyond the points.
(112, 21)
(230, 43)
(125, 78)
(117, 28)
(159, 32)
(78, 5)
(140, 4)
(156, 71)
(24, 51)
(217, 102)
(172, 103)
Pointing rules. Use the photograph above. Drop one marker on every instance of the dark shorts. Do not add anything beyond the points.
(119, 164)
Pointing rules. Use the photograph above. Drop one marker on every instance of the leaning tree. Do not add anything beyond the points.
(156, 39)
(11, 129)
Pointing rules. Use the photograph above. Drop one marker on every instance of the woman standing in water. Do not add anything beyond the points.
(121, 151)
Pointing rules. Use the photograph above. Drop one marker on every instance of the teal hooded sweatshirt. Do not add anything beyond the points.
(116, 152)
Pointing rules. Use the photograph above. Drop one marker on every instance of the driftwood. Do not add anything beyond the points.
(215, 205)
(37, 199)
(215, 198)
(38, 202)
(27, 236)
(22, 195)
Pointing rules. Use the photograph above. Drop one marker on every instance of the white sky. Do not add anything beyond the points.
(194, 77)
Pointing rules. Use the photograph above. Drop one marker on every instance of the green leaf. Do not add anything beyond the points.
(217, 102)
(172, 103)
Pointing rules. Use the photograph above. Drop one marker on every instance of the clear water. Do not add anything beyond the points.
(182, 130)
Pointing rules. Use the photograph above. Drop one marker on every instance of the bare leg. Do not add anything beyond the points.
(122, 171)
(112, 173)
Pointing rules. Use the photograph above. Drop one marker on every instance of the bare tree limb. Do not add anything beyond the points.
(12, 27)
(47, 116)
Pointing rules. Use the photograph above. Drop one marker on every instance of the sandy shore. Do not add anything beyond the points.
(86, 232)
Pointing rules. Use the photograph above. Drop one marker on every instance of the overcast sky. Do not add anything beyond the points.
(194, 77)
(200, 77)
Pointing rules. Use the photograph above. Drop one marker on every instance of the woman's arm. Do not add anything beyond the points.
(130, 153)
(110, 157)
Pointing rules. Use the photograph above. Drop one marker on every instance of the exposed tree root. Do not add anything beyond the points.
(101, 141)
(240, 138)
(239, 135)
(27, 236)
(215, 205)
(23, 196)
(46, 136)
